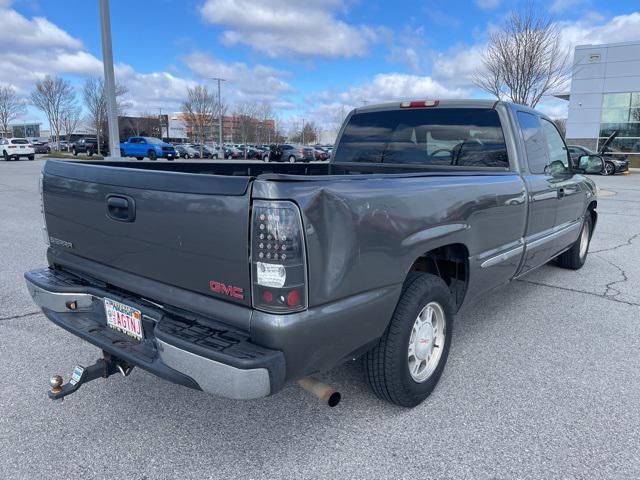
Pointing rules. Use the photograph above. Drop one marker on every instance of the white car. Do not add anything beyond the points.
(14, 148)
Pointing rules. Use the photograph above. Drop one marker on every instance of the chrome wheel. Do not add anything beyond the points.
(584, 240)
(609, 168)
(426, 342)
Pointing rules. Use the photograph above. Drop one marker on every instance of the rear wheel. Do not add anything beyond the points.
(31, 157)
(5, 156)
(152, 155)
(292, 159)
(609, 168)
(122, 152)
(406, 365)
(576, 256)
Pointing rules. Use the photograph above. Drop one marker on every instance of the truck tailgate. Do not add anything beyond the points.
(186, 230)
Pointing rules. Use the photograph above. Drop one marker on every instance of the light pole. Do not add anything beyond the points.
(109, 80)
(303, 131)
(219, 80)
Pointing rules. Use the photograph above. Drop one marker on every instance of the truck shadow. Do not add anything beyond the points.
(292, 417)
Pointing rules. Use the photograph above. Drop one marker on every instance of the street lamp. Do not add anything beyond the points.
(109, 79)
(219, 80)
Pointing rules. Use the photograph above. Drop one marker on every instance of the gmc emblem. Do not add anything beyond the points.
(228, 290)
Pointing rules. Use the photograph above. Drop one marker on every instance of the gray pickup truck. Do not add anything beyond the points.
(238, 278)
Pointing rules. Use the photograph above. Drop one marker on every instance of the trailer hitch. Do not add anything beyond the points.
(103, 368)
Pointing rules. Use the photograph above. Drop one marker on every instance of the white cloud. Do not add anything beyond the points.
(261, 82)
(279, 27)
(488, 4)
(558, 6)
(384, 87)
(33, 48)
(622, 28)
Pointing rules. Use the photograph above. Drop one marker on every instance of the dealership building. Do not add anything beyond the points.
(605, 97)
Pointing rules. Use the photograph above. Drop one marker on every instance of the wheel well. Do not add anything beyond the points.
(449, 262)
(594, 215)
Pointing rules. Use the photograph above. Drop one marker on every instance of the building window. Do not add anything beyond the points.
(621, 113)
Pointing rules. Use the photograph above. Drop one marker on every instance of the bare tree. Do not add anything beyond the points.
(561, 123)
(201, 109)
(338, 119)
(95, 101)
(266, 125)
(524, 59)
(54, 95)
(11, 107)
(308, 134)
(69, 121)
(247, 122)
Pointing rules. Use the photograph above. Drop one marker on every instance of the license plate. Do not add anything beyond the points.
(124, 318)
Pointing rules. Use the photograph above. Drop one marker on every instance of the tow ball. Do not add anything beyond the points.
(103, 368)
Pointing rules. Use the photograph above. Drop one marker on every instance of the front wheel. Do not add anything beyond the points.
(75, 152)
(609, 168)
(576, 256)
(408, 361)
(152, 155)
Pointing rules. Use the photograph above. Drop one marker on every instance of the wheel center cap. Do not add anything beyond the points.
(424, 341)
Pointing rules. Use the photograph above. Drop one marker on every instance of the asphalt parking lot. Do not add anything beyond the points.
(543, 381)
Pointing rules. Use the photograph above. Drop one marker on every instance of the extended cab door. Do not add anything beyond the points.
(571, 197)
(542, 190)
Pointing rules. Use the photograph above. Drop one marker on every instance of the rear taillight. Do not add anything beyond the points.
(45, 233)
(278, 258)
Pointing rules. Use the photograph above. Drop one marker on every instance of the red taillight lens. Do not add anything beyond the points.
(293, 298)
(278, 259)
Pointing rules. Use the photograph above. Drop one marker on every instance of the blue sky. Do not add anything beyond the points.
(307, 59)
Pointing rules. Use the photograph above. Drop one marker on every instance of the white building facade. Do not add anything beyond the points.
(605, 97)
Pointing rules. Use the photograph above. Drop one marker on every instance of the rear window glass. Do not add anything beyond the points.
(464, 137)
(20, 141)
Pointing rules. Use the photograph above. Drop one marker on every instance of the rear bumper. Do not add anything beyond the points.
(180, 347)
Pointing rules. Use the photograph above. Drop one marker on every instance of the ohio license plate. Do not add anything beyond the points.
(124, 318)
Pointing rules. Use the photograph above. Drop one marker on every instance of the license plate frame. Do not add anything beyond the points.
(124, 318)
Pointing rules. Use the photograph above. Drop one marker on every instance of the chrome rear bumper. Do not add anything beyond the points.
(82, 313)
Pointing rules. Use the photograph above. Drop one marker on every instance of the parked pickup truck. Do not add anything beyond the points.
(238, 278)
(149, 147)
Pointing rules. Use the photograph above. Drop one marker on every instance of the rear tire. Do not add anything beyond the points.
(122, 153)
(576, 256)
(292, 159)
(31, 157)
(609, 169)
(5, 156)
(421, 324)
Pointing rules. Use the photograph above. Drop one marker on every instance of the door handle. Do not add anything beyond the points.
(121, 208)
(561, 192)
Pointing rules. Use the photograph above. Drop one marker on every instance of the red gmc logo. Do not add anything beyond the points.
(228, 290)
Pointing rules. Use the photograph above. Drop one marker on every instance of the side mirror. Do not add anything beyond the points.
(591, 163)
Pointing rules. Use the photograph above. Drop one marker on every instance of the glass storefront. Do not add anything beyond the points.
(621, 113)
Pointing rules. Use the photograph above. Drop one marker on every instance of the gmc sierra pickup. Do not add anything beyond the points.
(238, 278)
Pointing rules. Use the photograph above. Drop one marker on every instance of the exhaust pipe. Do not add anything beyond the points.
(322, 391)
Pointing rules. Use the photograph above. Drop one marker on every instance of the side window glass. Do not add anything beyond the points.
(534, 142)
(557, 150)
